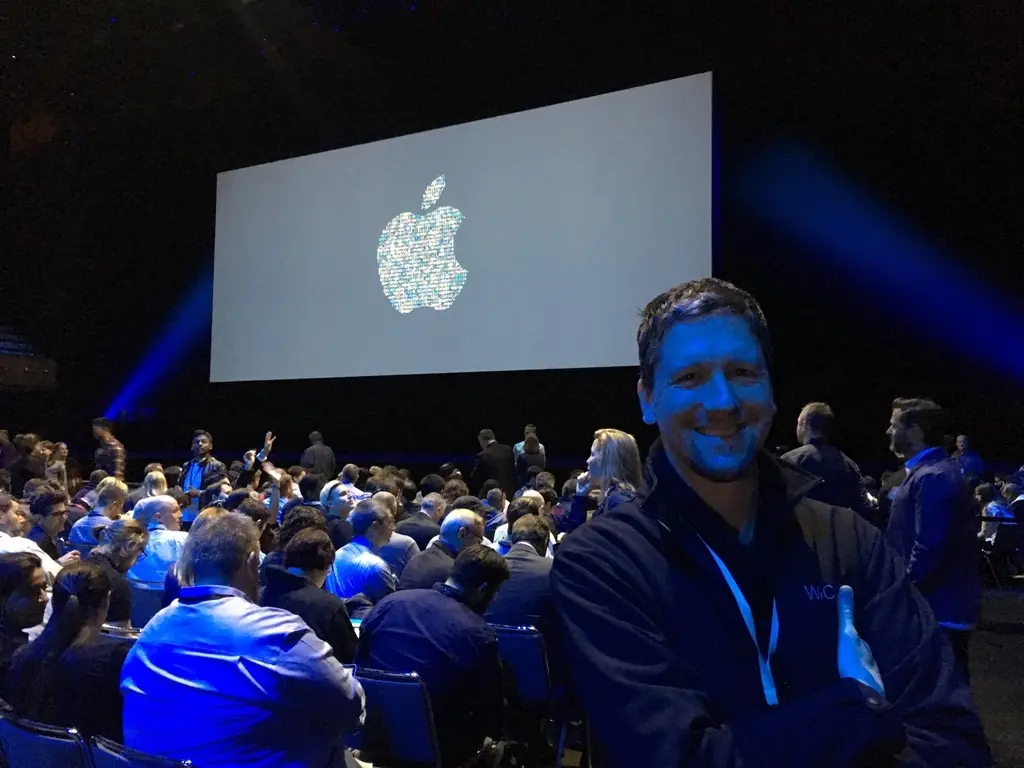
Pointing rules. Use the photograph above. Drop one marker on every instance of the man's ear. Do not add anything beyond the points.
(646, 406)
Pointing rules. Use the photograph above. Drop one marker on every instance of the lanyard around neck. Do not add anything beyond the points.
(767, 680)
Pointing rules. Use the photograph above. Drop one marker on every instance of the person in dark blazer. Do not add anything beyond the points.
(319, 458)
(931, 522)
(460, 529)
(494, 462)
(531, 456)
(298, 587)
(422, 526)
(525, 600)
(200, 473)
(842, 484)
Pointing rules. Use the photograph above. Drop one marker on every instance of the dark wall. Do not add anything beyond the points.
(108, 224)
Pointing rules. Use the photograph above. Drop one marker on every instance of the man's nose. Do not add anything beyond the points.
(719, 394)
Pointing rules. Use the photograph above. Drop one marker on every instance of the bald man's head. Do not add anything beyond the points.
(158, 510)
(389, 500)
(462, 528)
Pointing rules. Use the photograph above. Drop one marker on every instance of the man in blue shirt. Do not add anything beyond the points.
(218, 680)
(932, 522)
(970, 463)
(358, 567)
(520, 447)
(440, 635)
(161, 516)
(109, 506)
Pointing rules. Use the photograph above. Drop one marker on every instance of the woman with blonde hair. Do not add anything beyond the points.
(155, 484)
(614, 472)
(121, 542)
(57, 467)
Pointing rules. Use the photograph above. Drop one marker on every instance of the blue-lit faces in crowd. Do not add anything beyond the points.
(711, 396)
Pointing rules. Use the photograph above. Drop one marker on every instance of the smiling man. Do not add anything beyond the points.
(725, 619)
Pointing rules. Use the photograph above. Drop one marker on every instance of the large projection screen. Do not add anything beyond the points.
(523, 242)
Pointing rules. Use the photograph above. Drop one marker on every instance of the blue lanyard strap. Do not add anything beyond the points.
(767, 681)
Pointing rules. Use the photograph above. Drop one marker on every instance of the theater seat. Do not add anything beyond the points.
(147, 600)
(399, 727)
(109, 754)
(28, 743)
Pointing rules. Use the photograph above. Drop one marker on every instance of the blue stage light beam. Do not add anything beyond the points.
(183, 330)
(893, 267)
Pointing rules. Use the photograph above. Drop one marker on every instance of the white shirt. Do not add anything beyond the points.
(220, 681)
(10, 544)
(162, 551)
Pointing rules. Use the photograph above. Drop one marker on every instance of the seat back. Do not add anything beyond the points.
(28, 743)
(109, 754)
(399, 724)
(147, 600)
(526, 663)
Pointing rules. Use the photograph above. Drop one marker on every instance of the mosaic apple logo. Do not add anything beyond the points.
(416, 256)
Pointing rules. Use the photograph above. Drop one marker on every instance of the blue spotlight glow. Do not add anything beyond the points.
(182, 331)
(897, 269)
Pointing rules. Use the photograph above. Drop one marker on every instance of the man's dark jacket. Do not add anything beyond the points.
(842, 484)
(669, 674)
(933, 528)
(420, 528)
(431, 566)
(495, 462)
(319, 458)
(323, 612)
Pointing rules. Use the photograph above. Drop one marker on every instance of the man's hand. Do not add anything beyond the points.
(854, 655)
(71, 557)
(272, 472)
(249, 459)
(194, 493)
(583, 484)
(268, 442)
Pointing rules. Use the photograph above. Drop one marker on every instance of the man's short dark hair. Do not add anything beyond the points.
(315, 437)
(431, 483)
(253, 509)
(110, 495)
(208, 497)
(310, 487)
(530, 429)
(235, 499)
(155, 466)
(533, 530)
(349, 474)
(446, 470)
(927, 414)
(818, 418)
(531, 473)
(43, 503)
(366, 513)
(495, 498)
(35, 486)
(103, 423)
(548, 494)
(468, 502)
(544, 479)
(569, 488)
(299, 519)
(517, 508)
(310, 550)
(696, 298)
(383, 483)
(97, 476)
(477, 566)
(173, 475)
(199, 432)
(409, 490)
(488, 486)
(486, 435)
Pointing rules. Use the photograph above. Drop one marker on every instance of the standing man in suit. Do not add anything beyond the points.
(931, 522)
(494, 462)
(319, 458)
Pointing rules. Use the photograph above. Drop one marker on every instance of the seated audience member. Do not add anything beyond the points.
(358, 568)
(399, 548)
(409, 500)
(70, 675)
(439, 634)
(215, 494)
(842, 484)
(338, 499)
(57, 467)
(530, 503)
(95, 477)
(432, 483)
(298, 519)
(460, 529)
(218, 680)
(453, 489)
(447, 471)
(49, 509)
(422, 526)
(237, 496)
(30, 464)
(88, 500)
(161, 516)
(991, 504)
(120, 545)
(154, 483)
(15, 522)
(525, 599)
(613, 469)
(298, 587)
(173, 477)
(310, 487)
(494, 517)
(256, 512)
(180, 574)
(5, 482)
(109, 507)
(531, 456)
(22, 605)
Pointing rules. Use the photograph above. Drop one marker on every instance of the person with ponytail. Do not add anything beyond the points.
(120, 545)
(70, 675)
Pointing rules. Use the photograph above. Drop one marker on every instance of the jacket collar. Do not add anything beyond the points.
(284, 580)
(925, 457)
(525, 549)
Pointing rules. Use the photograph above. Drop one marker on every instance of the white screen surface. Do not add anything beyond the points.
(523, 242)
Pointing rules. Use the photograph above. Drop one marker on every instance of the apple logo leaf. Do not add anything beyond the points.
(433, 192)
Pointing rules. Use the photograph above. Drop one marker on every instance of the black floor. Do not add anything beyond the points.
(997, 675)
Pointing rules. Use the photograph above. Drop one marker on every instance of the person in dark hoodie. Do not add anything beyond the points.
(841, 482)
(722, 618)
(932, 523)
(298, 587)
